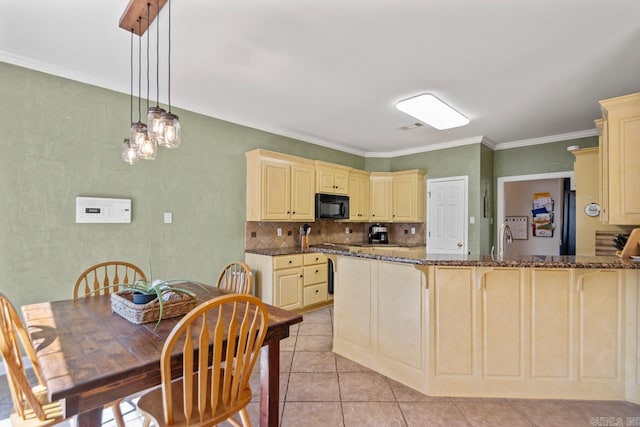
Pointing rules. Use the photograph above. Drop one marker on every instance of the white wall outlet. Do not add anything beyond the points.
(168, 217)
(413, 230)
(346, 230)
(279, 232)
(472, 220)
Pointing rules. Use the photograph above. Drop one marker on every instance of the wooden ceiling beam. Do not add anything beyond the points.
(138, 9)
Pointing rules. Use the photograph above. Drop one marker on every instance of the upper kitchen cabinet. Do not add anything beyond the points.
(398, 196)
(620, 151)
(359, 197)
(279, 187)
(380, 196)
(332, 178)
(408, 196)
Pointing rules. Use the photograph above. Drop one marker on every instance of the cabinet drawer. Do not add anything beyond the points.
(315, 294)
(287, 261)
(315, 274)
(314, 259)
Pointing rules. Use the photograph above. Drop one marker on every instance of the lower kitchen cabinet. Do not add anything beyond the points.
(478, 330)
(288, 292)
(314, 279)
(292, 282)
(528, 332)
(380, 318)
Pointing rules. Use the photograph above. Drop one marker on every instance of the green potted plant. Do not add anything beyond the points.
(134, 301)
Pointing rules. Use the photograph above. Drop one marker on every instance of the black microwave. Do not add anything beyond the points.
(332, 206)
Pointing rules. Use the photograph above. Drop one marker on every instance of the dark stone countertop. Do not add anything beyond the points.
(418, 255)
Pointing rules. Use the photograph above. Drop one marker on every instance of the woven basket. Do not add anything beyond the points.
(175, 305)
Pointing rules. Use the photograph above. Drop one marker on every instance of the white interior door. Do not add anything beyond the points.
(447, 201)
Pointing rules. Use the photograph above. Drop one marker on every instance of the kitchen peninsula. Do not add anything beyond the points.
(529, 327)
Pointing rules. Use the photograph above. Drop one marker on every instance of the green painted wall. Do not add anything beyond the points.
(543, 158)
(60, 139)
(457, 161)
(376, 164)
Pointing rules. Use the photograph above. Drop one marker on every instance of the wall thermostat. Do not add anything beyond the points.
(103, 210)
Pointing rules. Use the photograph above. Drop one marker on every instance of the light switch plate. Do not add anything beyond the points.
(168, 217)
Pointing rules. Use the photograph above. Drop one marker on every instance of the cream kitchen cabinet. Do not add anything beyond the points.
(332, 178)
(381, 196)
(359, 195)
(528, 332)
(588, 191)
(603, 169)
(380, 318)
(279, 187)
(292, 282)
(620, 150)
(600, 327)
(408, 196)
(398, 196)
(483, 308)
(314, 282)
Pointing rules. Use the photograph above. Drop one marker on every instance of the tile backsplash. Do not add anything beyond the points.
(264, 235)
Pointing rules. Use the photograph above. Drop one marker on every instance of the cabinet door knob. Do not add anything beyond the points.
(294, 212)
(317, 291)
(301, 276)
(290, 261)
(316, 271)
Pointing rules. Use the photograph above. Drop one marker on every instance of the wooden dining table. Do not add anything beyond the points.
(91, 356)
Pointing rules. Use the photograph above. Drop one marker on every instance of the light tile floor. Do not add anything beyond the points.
(320, 388)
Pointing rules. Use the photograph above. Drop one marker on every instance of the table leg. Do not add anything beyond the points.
(91, 418)
(270, 384)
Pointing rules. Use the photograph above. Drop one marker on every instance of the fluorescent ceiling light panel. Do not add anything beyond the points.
(429, 109)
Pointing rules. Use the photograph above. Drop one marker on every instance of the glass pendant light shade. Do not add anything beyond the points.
(147, 148)
(129, 153)
(138, 133)
(171, 130)
(155, 125)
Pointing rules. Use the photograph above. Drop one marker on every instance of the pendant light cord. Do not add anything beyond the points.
(139, 67)
(148, 8)
(169, 67)
(131, 80)
(158, 53)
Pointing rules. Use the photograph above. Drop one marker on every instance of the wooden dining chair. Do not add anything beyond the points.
(214, 384)
(94, 279)
(236, 278)
(31, 406)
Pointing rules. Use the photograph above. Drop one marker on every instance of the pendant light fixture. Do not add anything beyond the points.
(129, 152)
(147, 146)
(138, 129)
(163, 127)
(171, 123)
(155, 125)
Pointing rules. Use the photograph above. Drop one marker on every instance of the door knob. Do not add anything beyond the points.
(459, 244)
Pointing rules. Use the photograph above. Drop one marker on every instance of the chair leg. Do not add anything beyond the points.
(146, 422)
(117, 414)
(245, 417)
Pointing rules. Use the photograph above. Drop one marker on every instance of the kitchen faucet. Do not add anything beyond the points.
(505, 237)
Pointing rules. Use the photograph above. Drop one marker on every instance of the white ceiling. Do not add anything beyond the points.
(330, 71)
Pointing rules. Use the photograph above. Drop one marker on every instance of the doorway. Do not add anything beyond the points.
(515, 200)
(447, 207)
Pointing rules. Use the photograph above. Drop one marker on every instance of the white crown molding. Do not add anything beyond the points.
(425, 148)
(547, 139)
(67, 73)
